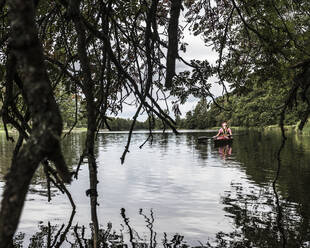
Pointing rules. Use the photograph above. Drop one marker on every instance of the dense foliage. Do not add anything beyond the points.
(259, 108)
(92, 58)
(103, 55)
(263, 48)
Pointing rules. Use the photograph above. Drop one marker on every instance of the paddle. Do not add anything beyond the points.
(205, 137)
(212, 137)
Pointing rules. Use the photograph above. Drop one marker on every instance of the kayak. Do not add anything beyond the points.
(218, 141)
(222, 140)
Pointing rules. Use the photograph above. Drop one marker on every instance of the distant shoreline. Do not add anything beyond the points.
(288, 128)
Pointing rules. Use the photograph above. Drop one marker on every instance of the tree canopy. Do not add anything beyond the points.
(105, 55)
(261, 44)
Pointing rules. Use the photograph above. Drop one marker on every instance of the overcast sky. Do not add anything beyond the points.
(195, 50)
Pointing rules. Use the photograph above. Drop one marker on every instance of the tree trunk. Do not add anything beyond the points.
(88, 90)
(47, 124)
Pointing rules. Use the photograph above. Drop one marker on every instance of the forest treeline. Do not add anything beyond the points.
(256, 107)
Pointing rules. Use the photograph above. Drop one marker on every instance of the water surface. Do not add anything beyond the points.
(177, 185)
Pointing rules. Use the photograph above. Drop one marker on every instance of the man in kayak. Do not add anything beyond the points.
(224, 132)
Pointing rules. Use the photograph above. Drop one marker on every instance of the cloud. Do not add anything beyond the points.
(196, 49)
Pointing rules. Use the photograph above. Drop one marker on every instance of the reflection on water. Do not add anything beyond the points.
(176, 192)
(66, 235)
(225, 151)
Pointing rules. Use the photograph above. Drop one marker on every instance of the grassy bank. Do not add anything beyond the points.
(306, 129)
(75, 130)
(287, 128)
(292, 128)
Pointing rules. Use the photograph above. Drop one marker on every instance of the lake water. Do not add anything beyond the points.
(176, 185)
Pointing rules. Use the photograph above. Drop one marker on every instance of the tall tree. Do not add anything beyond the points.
(111, 51)
(265, 41)
(44, 140)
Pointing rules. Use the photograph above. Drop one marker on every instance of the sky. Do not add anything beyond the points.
(196, 49)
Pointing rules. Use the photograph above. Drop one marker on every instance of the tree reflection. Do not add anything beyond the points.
(48, 236)
(252, 211)
(258, 160)
(67, 235)
(255, 211)
(255, 219)
(72, 150)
